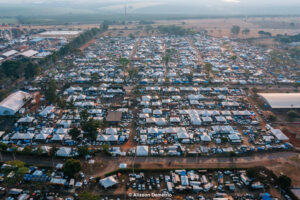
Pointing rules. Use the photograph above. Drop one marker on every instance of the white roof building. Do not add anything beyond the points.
(9, 53)
(64, 152)
(279, 134)
(13, 103)
(282, 100)
(142, 150)
(108, 182)
(29, 53)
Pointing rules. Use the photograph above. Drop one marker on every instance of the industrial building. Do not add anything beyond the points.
(282, 100)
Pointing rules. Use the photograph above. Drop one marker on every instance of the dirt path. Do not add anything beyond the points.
(268, 159)
(83, 47)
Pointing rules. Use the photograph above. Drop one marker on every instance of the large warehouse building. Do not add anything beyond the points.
(13, 103)
(282, 100)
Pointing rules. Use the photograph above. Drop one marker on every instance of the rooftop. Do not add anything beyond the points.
(282, 100)
(114, 116)
(15, 101)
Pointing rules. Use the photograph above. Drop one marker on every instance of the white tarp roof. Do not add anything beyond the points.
(29, 53)
(108, 182)
(9, 53)
(142, 150)
(64, 152)
(279, 134)
(282, 100)
(15, 101)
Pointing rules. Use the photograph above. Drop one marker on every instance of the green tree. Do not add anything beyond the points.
(83, 150)
(235, 30)
(74, 132)
(32, 70)
(3, 146)
(292, 115)
(251, 172)
(71, 167)
(53, 150)
(133, 72)
(166, 59)
(234, 57)
(95, 77)
(90, 127)
(16, 163)
(131, 36)
(27, 150)
(84, 115)
(87, 196)
(123, 62)
(224, 139)
(21, 172)
(284, 182)
(105, 149)
(246, 31)
(39, 151)
(272, 118)
(13, 69)
(208, 67)
(50, 91)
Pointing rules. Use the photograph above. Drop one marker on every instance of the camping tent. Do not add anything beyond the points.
(142, 150)
(108, 182)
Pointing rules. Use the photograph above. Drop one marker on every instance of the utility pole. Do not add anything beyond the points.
(125, 14)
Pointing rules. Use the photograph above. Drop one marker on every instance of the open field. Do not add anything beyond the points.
(217, 27)
(221, 27)
(8, 21)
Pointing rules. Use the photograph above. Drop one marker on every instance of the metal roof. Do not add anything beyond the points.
(282, 100)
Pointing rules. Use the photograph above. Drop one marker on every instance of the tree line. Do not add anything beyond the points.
(174, 30)
(287, 38)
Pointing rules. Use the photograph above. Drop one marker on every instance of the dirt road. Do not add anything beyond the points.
(112, 163)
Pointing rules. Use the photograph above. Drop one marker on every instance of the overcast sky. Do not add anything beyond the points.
(253, 2)
(164, 6)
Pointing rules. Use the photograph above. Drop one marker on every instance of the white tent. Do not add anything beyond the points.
(234, 137)
(174, 119)
(16, 136)
(142, 150)
(111, 131)
(161, 122)
(108, 182)
(205, 138)
(26, 119)
(146, 98)
(64, 152)
(279, 134)
(207, 119)
(113, 138)
(57, 137)
(183, 135)
(45, 149)
(28, 136)
(196, 121)
(41, 136)
(47, 130)
(123, 166)
(47, 111)
(171, 130)
(221, 119)
(152, 130)
(143, 116)
(62, 131)
(102, 138)
(157, 112)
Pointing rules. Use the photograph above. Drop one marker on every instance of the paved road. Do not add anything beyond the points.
(112, 163)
